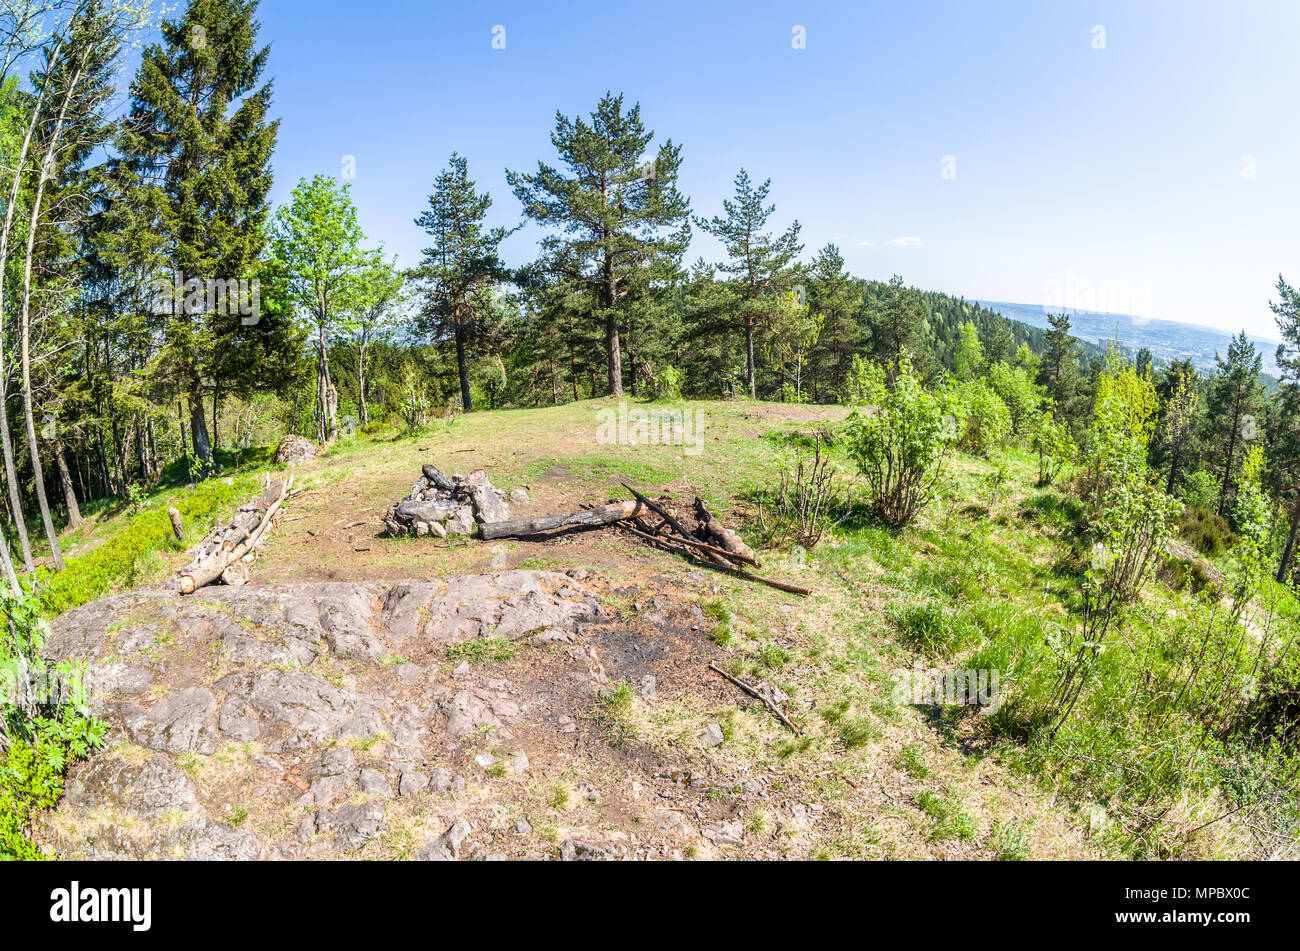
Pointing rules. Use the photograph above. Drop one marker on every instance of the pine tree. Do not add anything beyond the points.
(1058, 373)
(1233, 408)
(622, 223)
(1283, 448)
(761, 265)
(191, 193)
(834, 294)
(897, 327)
(461, 264)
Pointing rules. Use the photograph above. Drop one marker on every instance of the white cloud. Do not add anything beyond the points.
(864, 244)
(904, 242)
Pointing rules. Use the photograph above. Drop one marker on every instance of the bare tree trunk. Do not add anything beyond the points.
(1284, 565)
(361, 382)
(615, 357)
(11, 475)
(69, 491)
(199, 429)
(466, 398)
(749, 358)
(8, 563)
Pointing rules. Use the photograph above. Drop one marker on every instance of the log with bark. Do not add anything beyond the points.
(590, 518)
(227, 544)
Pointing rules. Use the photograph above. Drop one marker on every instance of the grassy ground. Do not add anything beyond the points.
(977, 582)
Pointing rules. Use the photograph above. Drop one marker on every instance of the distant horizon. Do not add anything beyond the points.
(1047, 309)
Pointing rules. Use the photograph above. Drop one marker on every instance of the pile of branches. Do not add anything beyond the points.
(228, 550)
(709, 543)
(440, 505)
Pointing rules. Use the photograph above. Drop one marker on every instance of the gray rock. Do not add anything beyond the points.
(176, 723)
(149, 790)
(374, 783)
(442, 781)
(712, 736)
(724, 833)
(446, 848)
(412, 783)
(518, 496)
(461, 521)
(489, 503)
(355, 825)
(578, 850)
(649, 687)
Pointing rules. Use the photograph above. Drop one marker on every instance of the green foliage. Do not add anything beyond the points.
(857, 383)
(1051, 441)
(899, 443)
(1206, 531)
(1015, 387)
(987, 419)
(45, 724)
(118, 560)
(1200, 490)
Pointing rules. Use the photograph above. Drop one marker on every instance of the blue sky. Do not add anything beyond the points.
(1155, 175)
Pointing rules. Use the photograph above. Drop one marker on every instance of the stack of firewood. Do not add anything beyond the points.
(440, 505)
(226, 552)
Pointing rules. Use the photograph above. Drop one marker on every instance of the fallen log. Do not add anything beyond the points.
(438, 478)
(601, 515)
(710, 527)
(674, 544)
(228, 543)
(676, 525)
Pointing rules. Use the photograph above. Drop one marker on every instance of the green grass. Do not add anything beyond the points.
(482, 649)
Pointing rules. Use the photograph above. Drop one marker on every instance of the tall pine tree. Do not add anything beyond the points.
(760, 264)
(621, 220)
(461, 264)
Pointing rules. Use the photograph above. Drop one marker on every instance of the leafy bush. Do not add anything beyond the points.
(1016, 389)
(807, 501)
(1200, 490)
(987, 419)
(1051, 440)
(856, 382)
(899, 443)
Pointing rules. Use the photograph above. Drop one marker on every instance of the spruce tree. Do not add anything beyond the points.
(898, 325)
(191, 193)
(837, 297)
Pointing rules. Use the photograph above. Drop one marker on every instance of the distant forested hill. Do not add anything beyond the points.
(1167, 340)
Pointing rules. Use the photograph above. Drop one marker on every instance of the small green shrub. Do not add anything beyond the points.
(1206, 531)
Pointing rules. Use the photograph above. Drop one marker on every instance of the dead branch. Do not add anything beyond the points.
(753, 692)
